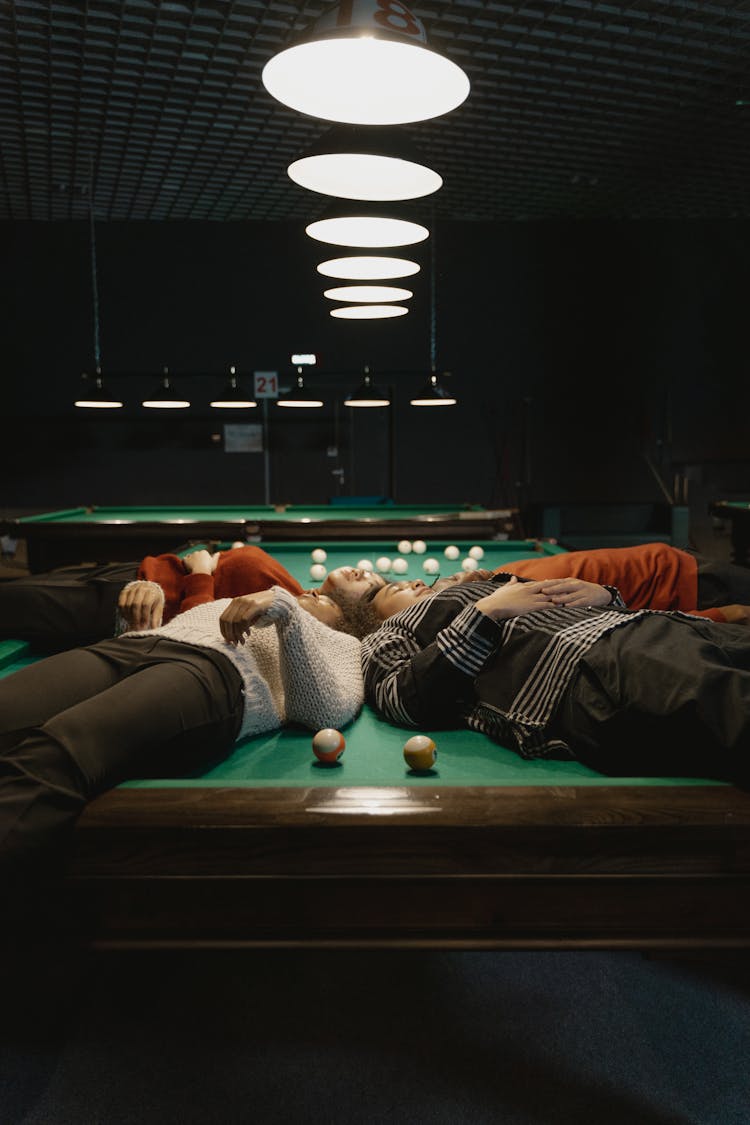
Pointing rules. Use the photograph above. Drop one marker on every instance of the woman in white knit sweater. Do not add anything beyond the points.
(163, 701)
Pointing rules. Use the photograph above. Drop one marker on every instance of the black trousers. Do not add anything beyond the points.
(722, 583)
(80, 722)
(76, 605)
(663, 696)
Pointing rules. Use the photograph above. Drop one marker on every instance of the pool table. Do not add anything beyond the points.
(738, 514)
(269, 848)
(113, 534)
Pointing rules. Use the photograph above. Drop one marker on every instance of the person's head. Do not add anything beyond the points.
(351, 583)
(322, 607)
(395, 596)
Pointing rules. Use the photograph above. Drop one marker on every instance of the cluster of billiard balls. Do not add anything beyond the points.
(399, 565)
(420, 752)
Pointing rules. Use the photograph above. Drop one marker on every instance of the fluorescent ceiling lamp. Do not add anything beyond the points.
(367, 230)
(369, 312)
(368, 268)
(361, 175)
(367, 394)
(433, 394)
(96, 398)
(165, 397)
(300, 396)
(232, 396)
(304, 358)
(372, 293)
(366, 63)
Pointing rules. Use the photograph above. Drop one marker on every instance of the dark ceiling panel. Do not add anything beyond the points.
(577, 110)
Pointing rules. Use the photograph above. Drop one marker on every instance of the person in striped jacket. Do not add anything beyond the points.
(561, 668)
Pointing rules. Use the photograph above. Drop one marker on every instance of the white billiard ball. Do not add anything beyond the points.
(383, 564)
(476, 552)
(400, 566)
(365, 564)
(451, 552)
(431, 566)
(404, 547)
(469, 564)
(318, 572)
(419, 546)
(319, 555)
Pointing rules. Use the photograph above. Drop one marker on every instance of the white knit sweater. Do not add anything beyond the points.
(294, 668)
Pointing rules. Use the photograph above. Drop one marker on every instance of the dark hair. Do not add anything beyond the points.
(360, 617)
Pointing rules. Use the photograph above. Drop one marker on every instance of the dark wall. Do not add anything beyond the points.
(574, 349)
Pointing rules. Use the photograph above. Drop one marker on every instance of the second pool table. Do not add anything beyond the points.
(113, 534)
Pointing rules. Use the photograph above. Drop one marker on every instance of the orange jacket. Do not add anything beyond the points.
(243, 570)
(649, 576)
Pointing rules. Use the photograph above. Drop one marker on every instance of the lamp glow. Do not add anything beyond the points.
(371, 293)
(165, 397)
(97, 398)
(367, 230)
(433, 394)
(300, 396)
(367, 394)
(361, 175)
(369, 312)
(368, 268)
(233, 397)
(366, 63)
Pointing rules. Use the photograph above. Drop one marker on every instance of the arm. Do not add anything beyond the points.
(198, 584)
(320, 667)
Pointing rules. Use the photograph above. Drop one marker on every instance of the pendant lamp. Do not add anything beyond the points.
(368, 267)
(233, 397)
(164, 396)
(366, 63)
(364, 163)
(367, 394)
(300, 396)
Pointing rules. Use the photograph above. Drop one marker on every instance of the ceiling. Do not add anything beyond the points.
(578, 109)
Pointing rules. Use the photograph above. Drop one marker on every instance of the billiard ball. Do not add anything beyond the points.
(383, 564)
(419, 546)
(420, 752)
(399, 566)
(365, 564)
(404, 547)
(319, 555)
(451, 552)
(469, 563)
(318, 572)
(431, 566)
(476, 552)
(328, 745)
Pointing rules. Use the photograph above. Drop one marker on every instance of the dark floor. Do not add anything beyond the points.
(397, 1038)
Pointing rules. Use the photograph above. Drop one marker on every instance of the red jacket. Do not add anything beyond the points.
(649, 576)
(243, 570)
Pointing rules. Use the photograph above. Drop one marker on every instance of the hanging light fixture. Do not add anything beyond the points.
(364, 163)
(95, 398)
(371, 293)
(369, 312)
(300, 395)
(367, 268)
(367, 394)
(366, 63)
(432, 393)
(164, 396)
(367, 229)
(233, 397)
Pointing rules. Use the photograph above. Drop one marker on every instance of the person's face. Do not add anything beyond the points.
(399, 595)
(351, 582)
(321, 606)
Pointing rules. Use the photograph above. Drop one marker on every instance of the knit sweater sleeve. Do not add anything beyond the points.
(320, 667)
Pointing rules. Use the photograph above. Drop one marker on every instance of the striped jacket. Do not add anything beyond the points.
(444, 663)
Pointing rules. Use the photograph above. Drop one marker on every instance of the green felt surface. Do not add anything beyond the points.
(239, 513)
(297, 557)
